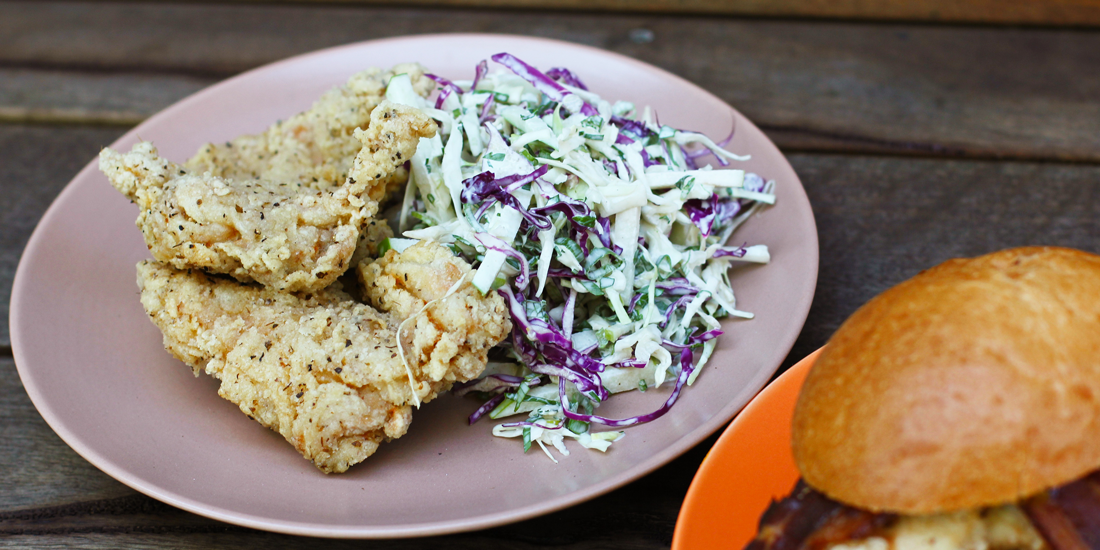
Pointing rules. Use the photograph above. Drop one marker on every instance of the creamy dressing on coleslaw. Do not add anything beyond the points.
(599, 227)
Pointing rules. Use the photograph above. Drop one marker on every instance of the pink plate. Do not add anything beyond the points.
(94, 366)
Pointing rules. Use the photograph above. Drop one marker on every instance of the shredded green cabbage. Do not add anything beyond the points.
(613, 258)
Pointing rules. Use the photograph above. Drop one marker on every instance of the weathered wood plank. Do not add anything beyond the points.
(89, 98)
(1025, 12)
(614, 521)
(232, 540)
(850, 87)
(37, 163)
(881, 220)
(36, 468)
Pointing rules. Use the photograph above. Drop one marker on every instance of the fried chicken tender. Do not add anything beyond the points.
(324, 371)
(314, 148)
(405, 283)
(372, 236)
(281, 234)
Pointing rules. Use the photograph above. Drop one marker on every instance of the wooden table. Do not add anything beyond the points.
(917, 141)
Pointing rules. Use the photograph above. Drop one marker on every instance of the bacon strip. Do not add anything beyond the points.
(848, 524)
(807, 519)
(1068, 517)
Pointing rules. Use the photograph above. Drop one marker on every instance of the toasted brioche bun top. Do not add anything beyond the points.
(975, 383)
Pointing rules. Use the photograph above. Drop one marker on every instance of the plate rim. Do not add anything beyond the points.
(790, 380)
(482, 521)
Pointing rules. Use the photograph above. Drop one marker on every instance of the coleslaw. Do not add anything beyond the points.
(599, 226)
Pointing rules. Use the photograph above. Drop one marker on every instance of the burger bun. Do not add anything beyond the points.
(975, 383)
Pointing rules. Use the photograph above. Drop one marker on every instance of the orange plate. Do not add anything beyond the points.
(749, 466)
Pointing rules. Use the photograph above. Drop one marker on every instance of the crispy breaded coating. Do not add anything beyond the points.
(403, 284)
(375, 155)
(281, 234)
(315, 148)
(374, 233)
(322, 370)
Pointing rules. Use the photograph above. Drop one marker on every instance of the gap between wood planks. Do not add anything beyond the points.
(1071, 13)
(794, 139)
(117, 517)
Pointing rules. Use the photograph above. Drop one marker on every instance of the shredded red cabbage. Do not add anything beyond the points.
(485, 109)
(677, 285)
(706, 213)
(482, 70)
(447, 86)
(491, 383)
(693, 340)
(686, 369)
(689, 158)
(681, 302)
(636, 128)
(564, 75)
(486, 185)
(493, 243)
(738, 252)
(486, 407)
(701, 213)
(540, 81)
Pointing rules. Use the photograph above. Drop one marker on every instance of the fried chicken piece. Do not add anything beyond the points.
(372, 236)
(315, 148)
(325, 371)
(281, 234)
(374, 155)
(403, 284)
